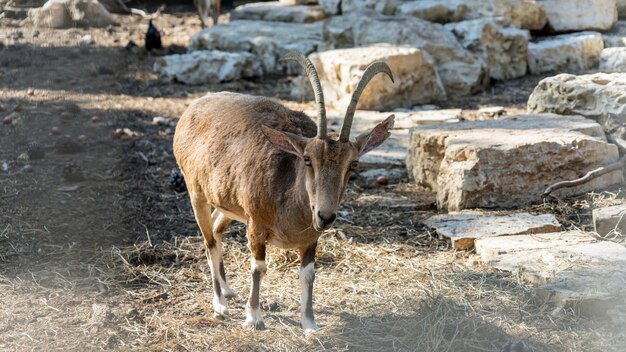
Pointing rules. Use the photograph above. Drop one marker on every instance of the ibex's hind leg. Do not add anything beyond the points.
(256, 243)
(220, 222)
(217, 8)
(202, 211)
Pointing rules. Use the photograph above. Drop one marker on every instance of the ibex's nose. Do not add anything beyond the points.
(326, 219)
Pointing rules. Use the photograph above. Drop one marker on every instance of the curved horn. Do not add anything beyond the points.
(317, 89)
(371, 71)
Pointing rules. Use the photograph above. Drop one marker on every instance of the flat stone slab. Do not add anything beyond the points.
(508, 162)
(610, 219)
(565, 53)
(277, 11)
(572, 269)
(269, 41)
(204, 66)
(592, 96)
(465, 227)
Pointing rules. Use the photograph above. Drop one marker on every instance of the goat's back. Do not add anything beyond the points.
(223, 153)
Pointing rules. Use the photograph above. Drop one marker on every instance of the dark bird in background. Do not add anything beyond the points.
(153, 37)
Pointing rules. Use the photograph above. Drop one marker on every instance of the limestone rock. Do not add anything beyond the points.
(434, 10)
(567, 52)
(205, 66)
(504, 49)
(277, 11)
(461, 72)
(268, 40)
(71, 13)
(613, 60)
(616, 37)
(330, 7)
(508, 162)
(610, 219)
(580, 15)
(416, 79)
(525, 14)
(463, 228)
(573, 270)
(592, 96)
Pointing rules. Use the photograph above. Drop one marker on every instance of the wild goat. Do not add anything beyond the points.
(206, 7)
(255, 161)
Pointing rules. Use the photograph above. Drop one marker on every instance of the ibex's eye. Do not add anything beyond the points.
(354, 165)
(307, 161)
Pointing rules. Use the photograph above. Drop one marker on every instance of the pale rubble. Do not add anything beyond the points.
(200, 67)
(416, 78)
(298, 2)
(504, 49)
(387, 7)
(71, 13)
(277, 11)
(613, 60)
(572, 270)
(565, 53)
(580, 15)
(461, 72)
(510, 161)
(269, 41)
(525, 14)
(434, 10)
(465, 227)
(593, 96)
(610, 221)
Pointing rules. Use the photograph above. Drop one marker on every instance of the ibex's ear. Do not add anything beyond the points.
(289, 142)
(372, 139)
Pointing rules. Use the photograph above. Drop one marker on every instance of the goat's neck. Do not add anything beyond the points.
(298, 209)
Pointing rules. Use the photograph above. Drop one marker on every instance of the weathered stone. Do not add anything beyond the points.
(461, 72)
(205, 66)
(610, 219)
(573, 269)
(330, 7)
(268, 40)
(505, 50)
(71, 13)
(364, 119)
(616, 37)
(434, 10)
(525, 14)
(464, 228)
(613, 60)
(592, 96)
(416, 79)
(277, 11)
(510, 161)
(580, 15)
(567, 52)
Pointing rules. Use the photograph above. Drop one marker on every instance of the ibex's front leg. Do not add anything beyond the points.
(256, 243)
(307, 276)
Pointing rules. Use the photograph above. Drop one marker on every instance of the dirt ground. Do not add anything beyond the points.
(114, 262)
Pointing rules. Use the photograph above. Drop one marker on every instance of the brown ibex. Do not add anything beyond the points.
(255, 161)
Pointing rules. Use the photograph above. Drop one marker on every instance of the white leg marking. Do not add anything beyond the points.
(254, 318)
(258, 265)
(307, 275)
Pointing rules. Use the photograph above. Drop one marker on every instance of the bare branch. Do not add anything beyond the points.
(619, 164)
